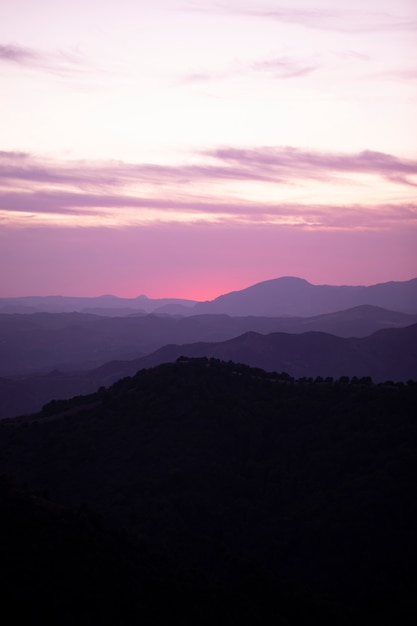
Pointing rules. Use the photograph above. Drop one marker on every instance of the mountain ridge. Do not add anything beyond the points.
(276, 293)
(296, 296)
(386, 355)
(41, 341)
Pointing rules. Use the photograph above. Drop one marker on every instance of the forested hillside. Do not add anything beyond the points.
(246, 497)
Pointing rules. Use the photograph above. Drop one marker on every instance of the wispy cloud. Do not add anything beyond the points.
(277, 67)
(288, 163)
(132, 193)
(348, 21)
(281, 164)
(161, 209)
(201, 77)
(284, 67)
(17, 54)
(82, 174)
(396, 75)
(62, 63)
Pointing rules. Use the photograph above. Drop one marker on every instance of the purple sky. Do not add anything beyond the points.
(191, 148)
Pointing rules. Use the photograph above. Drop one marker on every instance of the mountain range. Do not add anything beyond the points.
(102, 305)
(278, 297)
(46, 355)
(74, 341)
(245, 460)
(387, 355)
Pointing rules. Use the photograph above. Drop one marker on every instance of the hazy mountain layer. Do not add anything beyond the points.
(295, 296)
(42, 341)
(285, 296)
(389, 354)
(104, 305)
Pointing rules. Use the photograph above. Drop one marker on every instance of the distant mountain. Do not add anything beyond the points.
(280, 297)
(42, 341)
(104, 305)
(295, 296)
(389, 354)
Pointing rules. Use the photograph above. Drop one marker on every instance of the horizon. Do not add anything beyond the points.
(196, 149)
(168, 297)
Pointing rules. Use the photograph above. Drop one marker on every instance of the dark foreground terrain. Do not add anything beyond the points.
(204, 492)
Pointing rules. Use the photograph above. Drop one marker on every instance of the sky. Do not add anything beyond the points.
(180, 148)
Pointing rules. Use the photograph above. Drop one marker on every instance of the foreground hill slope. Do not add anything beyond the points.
(259, 498)
(295, 296)
(63, 566)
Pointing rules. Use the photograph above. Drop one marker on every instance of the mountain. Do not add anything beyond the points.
(36, 343)
(246, 498)
(105, 305)
(285, 296)
(295, 296)
(389, 354)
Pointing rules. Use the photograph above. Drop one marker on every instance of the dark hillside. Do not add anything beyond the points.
(260, 499)
(61, 566)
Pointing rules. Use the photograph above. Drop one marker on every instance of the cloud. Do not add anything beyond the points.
(62, 63)
(346, 21)
(18, 167)
(264, 164)
(209, 190)
(73, 202)
(201, 77)
(284, 67)
(406, 75)
(277, 67)
(17, 54)
(125, 210)
(290, 163)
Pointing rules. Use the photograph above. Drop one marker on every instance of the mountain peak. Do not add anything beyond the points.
(293, 296)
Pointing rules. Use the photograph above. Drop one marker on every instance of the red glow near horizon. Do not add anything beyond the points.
(197, 262)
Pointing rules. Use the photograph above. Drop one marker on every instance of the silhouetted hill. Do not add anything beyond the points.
(38, 342)
(389, 354)
(253, 498)
(295, 296)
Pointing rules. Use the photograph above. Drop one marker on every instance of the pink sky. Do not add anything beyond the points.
(192, 148)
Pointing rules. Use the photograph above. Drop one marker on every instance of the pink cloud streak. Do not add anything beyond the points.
(262, 164)
(324, 19)
(36, 187)
(310, 216)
